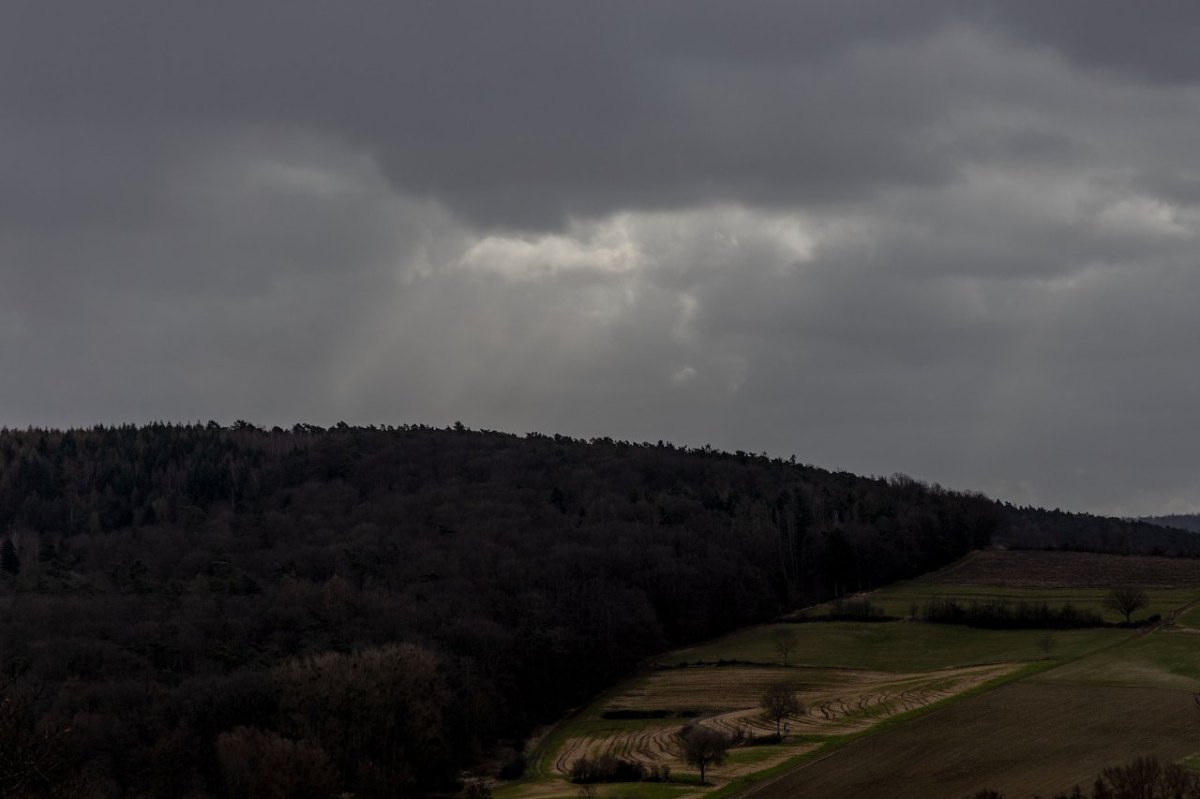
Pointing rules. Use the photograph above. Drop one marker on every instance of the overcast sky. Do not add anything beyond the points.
(952, 239)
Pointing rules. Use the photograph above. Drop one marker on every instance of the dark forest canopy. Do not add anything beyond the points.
(371, 609)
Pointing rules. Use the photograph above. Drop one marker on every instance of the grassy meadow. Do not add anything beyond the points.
(894, 646)
(875, 694)
(902, 598)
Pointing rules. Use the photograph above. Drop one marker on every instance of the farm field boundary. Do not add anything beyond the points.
(1023, 738)
(880, 679)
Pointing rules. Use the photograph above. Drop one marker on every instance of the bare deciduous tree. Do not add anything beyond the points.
(779, 702)
(261, 764)
(1126, 600)
(704, 747)
(783, 641)
(376, 712)
(33, 755)
(1147, 777)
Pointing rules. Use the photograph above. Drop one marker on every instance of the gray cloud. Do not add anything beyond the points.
(955, 240)
(517, 115)
(1108, 34)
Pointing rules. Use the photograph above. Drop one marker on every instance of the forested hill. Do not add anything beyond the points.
(188, 609)
(211, 598)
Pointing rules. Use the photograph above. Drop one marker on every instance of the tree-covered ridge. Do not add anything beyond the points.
(824, 528)
(214, 597)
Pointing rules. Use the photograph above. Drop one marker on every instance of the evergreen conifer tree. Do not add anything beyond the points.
(9, 561)
(47, 552)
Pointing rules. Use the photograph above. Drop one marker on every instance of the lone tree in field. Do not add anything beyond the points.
(703, 747)
(779, 702)
(783, 641)
(1126, 600)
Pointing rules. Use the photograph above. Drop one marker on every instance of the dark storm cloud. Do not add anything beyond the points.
(951, 239)
(1110, 34)
(513, 114)
(524, 113)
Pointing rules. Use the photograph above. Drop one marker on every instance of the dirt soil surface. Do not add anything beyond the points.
(1021, 739)
(1036, 569)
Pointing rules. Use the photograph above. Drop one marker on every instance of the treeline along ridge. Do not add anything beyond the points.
(385, 604)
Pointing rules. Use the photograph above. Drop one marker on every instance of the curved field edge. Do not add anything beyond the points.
(727, 699)
(543, 781)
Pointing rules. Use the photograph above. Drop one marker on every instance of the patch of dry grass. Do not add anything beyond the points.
(837, 702)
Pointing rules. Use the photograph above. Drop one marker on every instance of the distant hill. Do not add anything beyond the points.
(1181, 521)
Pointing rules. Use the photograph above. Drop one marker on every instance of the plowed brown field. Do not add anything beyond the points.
(1034, 569)
(1021, 739)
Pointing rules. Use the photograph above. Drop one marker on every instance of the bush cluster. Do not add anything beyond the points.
(610, 768)
(1144, 778)
(623, 713)
(851, 610)
(999, 614)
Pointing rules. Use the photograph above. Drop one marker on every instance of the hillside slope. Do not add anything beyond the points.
(257, 583)
(370, 609)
